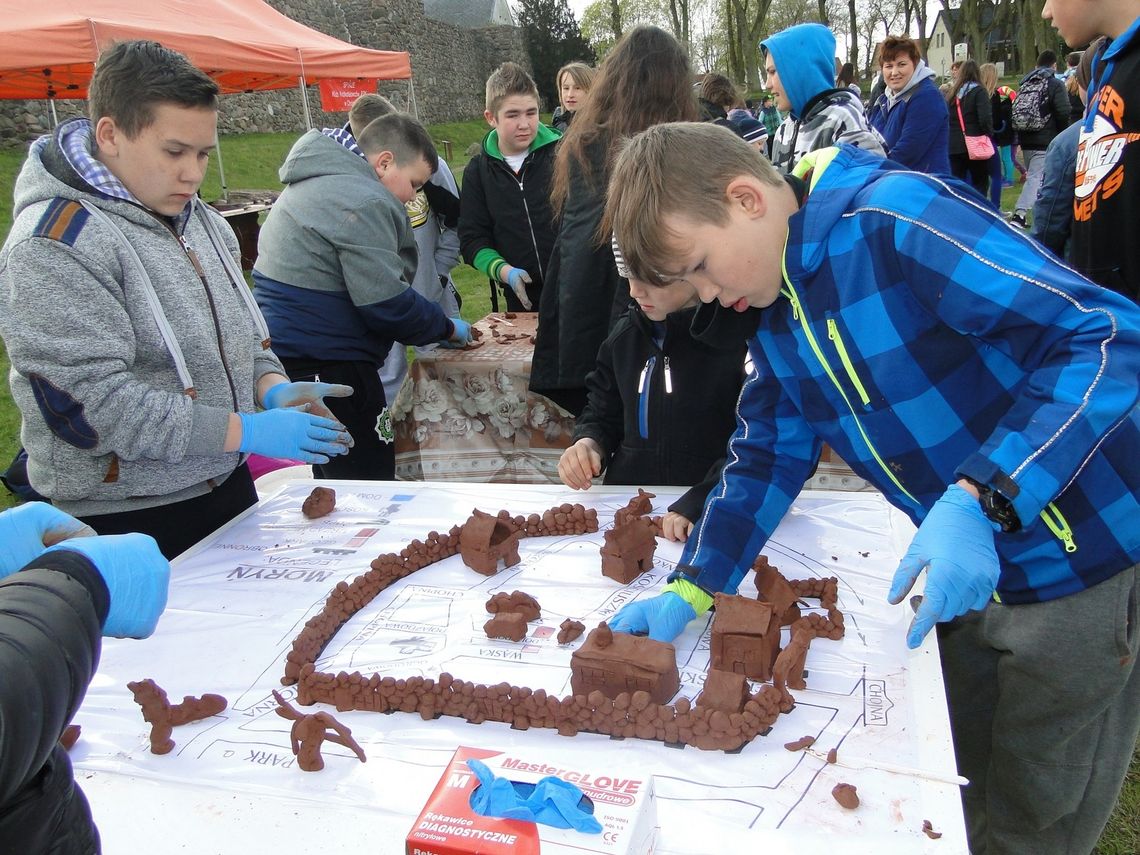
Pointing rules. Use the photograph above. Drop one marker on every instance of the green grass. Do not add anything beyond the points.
(251, 163)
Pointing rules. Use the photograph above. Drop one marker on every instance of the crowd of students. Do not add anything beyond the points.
(710, 315)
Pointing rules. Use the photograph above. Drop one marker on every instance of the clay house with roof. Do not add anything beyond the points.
(617, 662)
(745, 636)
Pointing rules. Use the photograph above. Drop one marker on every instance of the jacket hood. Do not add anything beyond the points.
(47, 174)
(840, 173)
(315, 154)
(545, 135)
(804, 56)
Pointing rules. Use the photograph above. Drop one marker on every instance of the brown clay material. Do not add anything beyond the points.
(745, 636)
(509, 625)
(570, 630)
(928, 830)
(70, 736)
(309, 731)
(162, 716)
(517, 601)
(789, 667)
(772, 587)
(846, 795)
(628, 549)
(832, 756)
(724, 691)
(485, 541)
(320, 503)
(615, 662)
(800, 744)
(638, 506)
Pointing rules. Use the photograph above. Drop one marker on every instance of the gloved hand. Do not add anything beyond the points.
(462, 335)
(293, 433)
(518, 279)
(27, 530)
(665, 616)
(956, 543)
(137, 577)
(552, 802)
(305, 392)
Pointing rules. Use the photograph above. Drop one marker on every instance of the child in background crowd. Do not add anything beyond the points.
(573, 81)
(506, 228)
(661, 401)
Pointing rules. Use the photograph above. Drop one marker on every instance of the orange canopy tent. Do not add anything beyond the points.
(49, 50)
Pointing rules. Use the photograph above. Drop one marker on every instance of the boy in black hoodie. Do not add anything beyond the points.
(661, 402)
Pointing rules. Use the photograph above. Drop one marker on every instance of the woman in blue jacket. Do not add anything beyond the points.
(911, 114)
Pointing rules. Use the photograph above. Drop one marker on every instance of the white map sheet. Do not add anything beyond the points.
(238, 600)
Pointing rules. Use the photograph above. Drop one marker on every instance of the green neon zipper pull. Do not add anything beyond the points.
(833, 334)
(1059, 527)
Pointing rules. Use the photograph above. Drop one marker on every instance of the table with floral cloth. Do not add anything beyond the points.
(467, 415)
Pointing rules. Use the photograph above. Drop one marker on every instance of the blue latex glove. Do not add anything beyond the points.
(26, 530)
(956, 543)
(462, 335)
(552, 802)
(294, 434)
(305, 392)
(665, 616)
(137, 577)
(518, 279)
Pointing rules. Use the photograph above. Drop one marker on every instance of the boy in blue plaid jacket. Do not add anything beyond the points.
(987, 390)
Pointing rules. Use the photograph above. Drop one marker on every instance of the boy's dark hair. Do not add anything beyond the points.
(1073, 59)
(1046, 57)
(366, 109)
(132, 77)
(507, 80)
(400, 134)
(892, 46)
(718, 89)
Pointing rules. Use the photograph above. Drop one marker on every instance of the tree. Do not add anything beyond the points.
(604, 21)
(553, 39)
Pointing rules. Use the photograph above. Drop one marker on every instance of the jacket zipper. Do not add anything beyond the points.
(833, 334)
(644, 385)
(798, 314)
(193, 256)
(526, 209)
(1059, 526)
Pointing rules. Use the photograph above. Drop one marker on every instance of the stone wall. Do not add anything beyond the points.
(449, 66)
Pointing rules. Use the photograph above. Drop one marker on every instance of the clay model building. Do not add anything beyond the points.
(509, 625)
(725, 691)
(320, 503)
(616, 662)
(517, 601)
(772, 587)
(487, 540)
(570, 630)
(628, 550)
(310, 731)
(638, 506)
(162, 716)
(745, 636)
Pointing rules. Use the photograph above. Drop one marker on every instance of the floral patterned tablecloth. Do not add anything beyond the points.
(466, 415)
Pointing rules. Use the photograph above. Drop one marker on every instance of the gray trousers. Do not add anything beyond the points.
(1045, 709)
(1034, 173)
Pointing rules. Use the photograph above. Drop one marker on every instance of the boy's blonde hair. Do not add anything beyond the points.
(366, 109)
(507, 80)
(675, 168)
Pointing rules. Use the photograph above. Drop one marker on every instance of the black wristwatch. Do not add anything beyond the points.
(996, 506)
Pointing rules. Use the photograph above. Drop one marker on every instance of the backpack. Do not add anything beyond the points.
(1031, 106)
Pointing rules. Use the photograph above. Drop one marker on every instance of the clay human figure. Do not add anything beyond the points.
(164, 716)
(789, 667)
(309, 731)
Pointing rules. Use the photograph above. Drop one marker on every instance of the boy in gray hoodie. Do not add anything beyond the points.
(139, 358)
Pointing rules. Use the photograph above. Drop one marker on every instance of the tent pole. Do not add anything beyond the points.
(305, 103)
(221, 167)
(54, 117)
(413, 108)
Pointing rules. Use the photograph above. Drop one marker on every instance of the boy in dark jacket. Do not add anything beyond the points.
(506, 228)
(661, 402)
(986, 389)
(1053, 106)
(55, 604)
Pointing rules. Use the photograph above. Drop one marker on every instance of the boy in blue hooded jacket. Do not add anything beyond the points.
(800, 71)
(988, 391)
